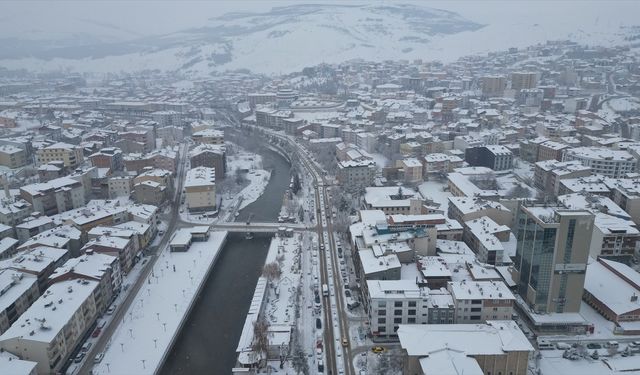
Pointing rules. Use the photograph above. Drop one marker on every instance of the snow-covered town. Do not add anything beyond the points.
(463, 214)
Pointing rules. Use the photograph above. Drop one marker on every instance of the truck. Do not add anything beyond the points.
(325, 290)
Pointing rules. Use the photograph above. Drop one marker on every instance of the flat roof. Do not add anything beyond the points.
(493, 338)
(50, 313)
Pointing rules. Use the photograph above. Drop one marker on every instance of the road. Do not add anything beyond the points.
(335, 353)
(109, 329)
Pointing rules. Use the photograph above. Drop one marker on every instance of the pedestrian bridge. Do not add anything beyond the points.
(258, 227)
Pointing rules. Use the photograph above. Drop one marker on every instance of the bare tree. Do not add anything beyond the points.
(272, 271)
(260, 343)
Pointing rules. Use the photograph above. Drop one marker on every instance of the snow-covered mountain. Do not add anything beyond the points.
(280, 40)
(289, 38)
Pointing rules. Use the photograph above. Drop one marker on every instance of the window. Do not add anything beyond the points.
(382, 312)
(411, 312)
(397, 312)
(397, 320)
(412, 303)
(411, 320)
(397, 304)
(382, 320)
(382, 304)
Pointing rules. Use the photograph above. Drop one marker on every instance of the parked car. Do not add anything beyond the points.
(79, 357)
(98, 358)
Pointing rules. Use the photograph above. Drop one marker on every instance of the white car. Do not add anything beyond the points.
(98, 358)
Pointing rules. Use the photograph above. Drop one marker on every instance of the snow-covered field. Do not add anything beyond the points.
(153, 320)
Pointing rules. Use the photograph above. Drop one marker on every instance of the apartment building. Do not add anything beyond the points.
(71, 155)
(496, 157)
(55, 196)
(19, 291)
(606, 162)
(108, 157)
(523, 80)
(208, 136)
(200, 189)
(395, 302)
(121, 248)
(103, 268)
(12, 156)
(493, 85)
(355, 176)
(49, 330)
(548, 173)
(481, 301)
(441, 163)
(486, 237)
(210, 156)
(120, 186)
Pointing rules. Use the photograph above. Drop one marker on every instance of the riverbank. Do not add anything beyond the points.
(161, 308)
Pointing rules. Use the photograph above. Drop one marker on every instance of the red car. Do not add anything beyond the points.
(96, 333)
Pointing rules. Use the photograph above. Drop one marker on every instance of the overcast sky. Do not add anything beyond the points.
(139, 18)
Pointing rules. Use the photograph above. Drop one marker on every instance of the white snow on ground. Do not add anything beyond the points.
(155, 316)
(623, 104)
(434, 190)
(523, 169)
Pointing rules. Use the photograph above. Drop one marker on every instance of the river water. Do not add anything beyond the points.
(208, 341)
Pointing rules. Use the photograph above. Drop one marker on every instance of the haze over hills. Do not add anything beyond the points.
(276, 41)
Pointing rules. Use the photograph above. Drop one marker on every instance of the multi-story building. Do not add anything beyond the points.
(481, 301)
(496, 347)
(441, 163)
(19, 291)
(33, 226)
(493, 85)
(464, 209)
(551, 256)
(394, 302)
(120, 186)
(411, 168)
(550, 150)
(495, 157)
(200, 189)
(607, 162)
(167, 118)
(523, 80)
(49, 331)
(354, 175)
(121, 248)
(108, 157)
(485, 237)
(548, 173)
(209, 136)
(103, 268)
(394, 200)
(71, 155)
(13, 212)
(150, 192)
(160, 176)
(12, 156)
(55, 196)
(210, 156)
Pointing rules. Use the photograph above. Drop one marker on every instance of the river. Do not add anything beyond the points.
(208, 341)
